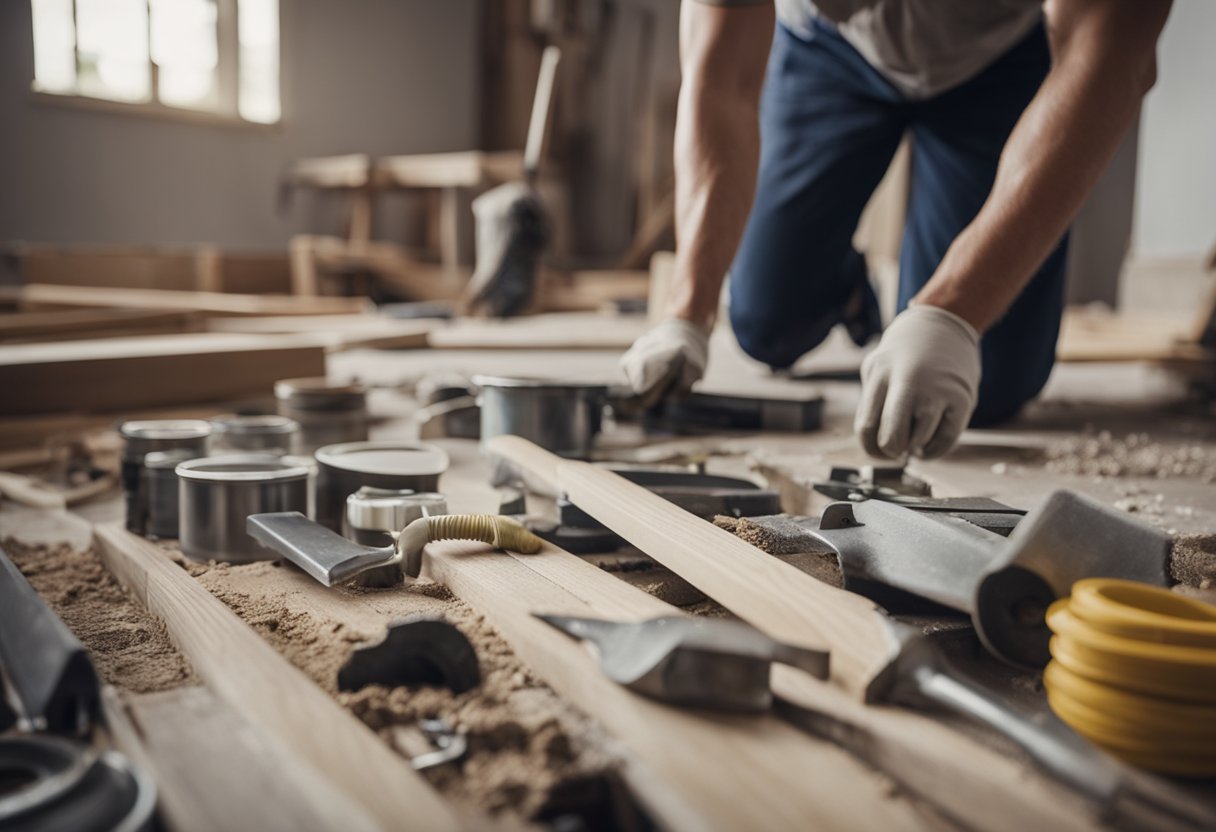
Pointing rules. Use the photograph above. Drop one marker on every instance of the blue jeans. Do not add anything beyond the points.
(830, 124)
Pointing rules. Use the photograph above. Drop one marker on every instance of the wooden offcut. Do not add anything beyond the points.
(252, 678)
(124, 374)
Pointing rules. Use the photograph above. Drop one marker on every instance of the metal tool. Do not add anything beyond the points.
(1005, 585)
(332, 559)
(51, 681)
(698, 662)
(254, 434)
(561, 416)
(218, 493)
(374, 516)
(344, 469)
(329, 413)
(419, 652)
(873, 482)
(718, 411)
(142, 438)
(64, 784)
(450, 744)
(705, 495)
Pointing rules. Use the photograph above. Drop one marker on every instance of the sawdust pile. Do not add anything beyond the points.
(1193, 560)
(783, 537)
(1135, 455)
(129, 646)
(530, 755)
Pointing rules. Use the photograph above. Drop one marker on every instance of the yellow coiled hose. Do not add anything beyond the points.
(1134, 671)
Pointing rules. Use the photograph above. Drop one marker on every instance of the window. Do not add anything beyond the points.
(215, 56)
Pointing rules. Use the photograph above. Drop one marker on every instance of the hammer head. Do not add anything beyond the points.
(696, 662)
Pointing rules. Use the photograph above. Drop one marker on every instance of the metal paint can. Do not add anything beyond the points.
(344, 469)
(328, 413)
(218, 493)
(562, 417)
(372, 514)
(161, 489)
(254, 434)
(145, 436)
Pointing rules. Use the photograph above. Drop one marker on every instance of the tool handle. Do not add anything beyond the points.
(538, 124)
(1128, 799)
(321, 552)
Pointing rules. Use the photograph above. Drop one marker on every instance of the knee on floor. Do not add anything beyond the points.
(775, 340)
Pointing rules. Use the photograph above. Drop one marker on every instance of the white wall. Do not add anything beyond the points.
(1176, 180)
(375, 76)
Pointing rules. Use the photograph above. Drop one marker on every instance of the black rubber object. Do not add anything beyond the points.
(417, 652)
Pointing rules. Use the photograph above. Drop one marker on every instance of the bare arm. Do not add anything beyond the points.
(1105, 62)
(723, 53)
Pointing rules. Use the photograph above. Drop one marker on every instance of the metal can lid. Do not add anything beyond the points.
(162, 429)
(260, 425)
(168, 460)
(240, 468)
(320, 393)
(525, 383)
(385, 457)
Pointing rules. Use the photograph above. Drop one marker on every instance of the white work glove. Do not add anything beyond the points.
(919, 387)
(668, 359)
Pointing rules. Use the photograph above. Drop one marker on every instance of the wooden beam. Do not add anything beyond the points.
(41, 296)
(214, 769)
(561, 331)
(777, 598)
(251, 677)
(74, 324)
(337, 332)
(462, 169)
(117, 374)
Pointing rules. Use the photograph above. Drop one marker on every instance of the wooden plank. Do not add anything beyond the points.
(92, 323)
(1085, 336)
(36, 296)
(335, 331)
(565, 331)
(214, 769)
(113, 374)
(251, 677)
(775, 597)
(975, 785)
(352, 170)
(462, 169)
(131, 267)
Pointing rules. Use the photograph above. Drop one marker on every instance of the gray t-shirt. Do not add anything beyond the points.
(923, 47)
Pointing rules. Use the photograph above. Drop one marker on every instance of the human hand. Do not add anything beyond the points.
(920, 385)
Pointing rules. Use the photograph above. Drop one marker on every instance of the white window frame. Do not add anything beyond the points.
(227, 71)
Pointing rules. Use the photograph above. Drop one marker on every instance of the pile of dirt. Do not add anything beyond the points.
(1193, 560)
(129, 646)
(1135, 455)
(530, 755)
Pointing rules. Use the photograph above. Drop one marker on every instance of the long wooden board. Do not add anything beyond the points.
(560, 331)
(788, 604)
(973, 784)
(247, 673)
(76, 324)
(114, 374)
(214, 769)
(47, 296)
(337, 332)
